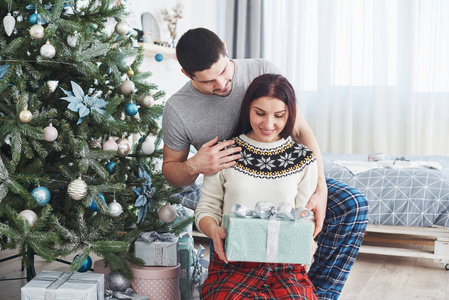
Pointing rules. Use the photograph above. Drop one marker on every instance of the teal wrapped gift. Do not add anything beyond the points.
(64, 285)
(268, 238)
(186, 273)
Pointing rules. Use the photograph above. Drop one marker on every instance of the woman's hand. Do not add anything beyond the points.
(218, 235)
(209, 227)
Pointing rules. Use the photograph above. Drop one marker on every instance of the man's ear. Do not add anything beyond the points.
(226, 48)
(185, 73)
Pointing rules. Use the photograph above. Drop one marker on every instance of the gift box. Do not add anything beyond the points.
(183, 213)
(269, 240)
(157, 249)
(186, 267)
(157, 283)
(64, 285)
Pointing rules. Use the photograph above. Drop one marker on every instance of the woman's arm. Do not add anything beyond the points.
(209, 212)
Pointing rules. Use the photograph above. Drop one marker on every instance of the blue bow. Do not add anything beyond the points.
(145, 194)
(153, 236)
(267, 210)
(199, 262)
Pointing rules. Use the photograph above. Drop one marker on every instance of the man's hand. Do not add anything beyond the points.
(213, 157)
(318, 204)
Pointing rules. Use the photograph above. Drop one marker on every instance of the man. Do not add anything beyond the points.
(204, 112)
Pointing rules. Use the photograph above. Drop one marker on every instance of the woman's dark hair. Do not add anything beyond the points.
(198, 49)
(267, 85)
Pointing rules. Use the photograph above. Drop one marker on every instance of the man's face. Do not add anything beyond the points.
(217, 80)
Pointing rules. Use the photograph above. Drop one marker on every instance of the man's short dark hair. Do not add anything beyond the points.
(198, 49)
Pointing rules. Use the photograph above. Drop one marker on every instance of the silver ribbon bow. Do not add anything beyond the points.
(126, 295)
(152, 236)
(267, 210)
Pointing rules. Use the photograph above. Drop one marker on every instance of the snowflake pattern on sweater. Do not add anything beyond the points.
(289, 158)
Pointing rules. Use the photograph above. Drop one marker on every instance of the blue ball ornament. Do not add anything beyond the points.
(110, 167)
(93, 206)
(159, 57)
(105, 69)
(131, 109)
(33, 19)
(87, 264)
(41, 195)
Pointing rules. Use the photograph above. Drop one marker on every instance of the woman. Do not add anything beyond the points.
(272, 168)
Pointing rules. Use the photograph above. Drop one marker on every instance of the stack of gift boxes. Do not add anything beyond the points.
(169, 272)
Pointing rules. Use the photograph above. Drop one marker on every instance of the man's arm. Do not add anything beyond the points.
(303, 134)
(210, 158)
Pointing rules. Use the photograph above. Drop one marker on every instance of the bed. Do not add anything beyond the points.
(408, 198)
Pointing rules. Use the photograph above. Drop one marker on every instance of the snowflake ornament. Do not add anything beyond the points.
(83, 104)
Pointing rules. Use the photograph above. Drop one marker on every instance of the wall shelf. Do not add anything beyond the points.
(151, 50)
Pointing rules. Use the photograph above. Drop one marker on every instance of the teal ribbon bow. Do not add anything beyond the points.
(199, 262)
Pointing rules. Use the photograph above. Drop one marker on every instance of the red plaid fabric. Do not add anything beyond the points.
(259, 281)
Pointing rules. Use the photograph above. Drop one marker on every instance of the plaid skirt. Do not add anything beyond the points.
(260, 281)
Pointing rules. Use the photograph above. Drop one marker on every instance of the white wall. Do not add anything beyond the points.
(196, 13)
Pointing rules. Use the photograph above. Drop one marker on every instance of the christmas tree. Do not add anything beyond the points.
(72, 99)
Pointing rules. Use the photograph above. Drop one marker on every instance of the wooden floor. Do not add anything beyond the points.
(372, 277)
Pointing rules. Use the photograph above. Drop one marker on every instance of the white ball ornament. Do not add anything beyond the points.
(29, 216)
(47, 50)
(147, 101)
(50, 133)
(110, 145)
(25, 116)
(167, 213)
(37, 31)
(77, 189)
(115, 209)
(148, 147)
(72, 40)
(127, 87)
(122, 28)
(124, 147)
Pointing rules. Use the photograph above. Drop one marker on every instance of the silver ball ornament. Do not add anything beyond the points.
(50, 133)
(124, 147)
(77, 189)
(127, 87)
(147, 101)
(115, 209)
(148, 147)
(116, 282)
(25, 116)
(47, 50)
(37, 31)
(122, 28)
(29, 216)
(167, 213)
(110, 145)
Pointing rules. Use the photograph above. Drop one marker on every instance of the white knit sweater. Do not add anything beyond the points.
(282, 171)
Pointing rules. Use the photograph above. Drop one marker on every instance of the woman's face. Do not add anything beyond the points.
(268, 117)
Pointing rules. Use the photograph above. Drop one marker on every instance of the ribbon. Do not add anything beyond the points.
(267, 210)
(152, 236)
(50, 292)
(198, 264)
(126, 295)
